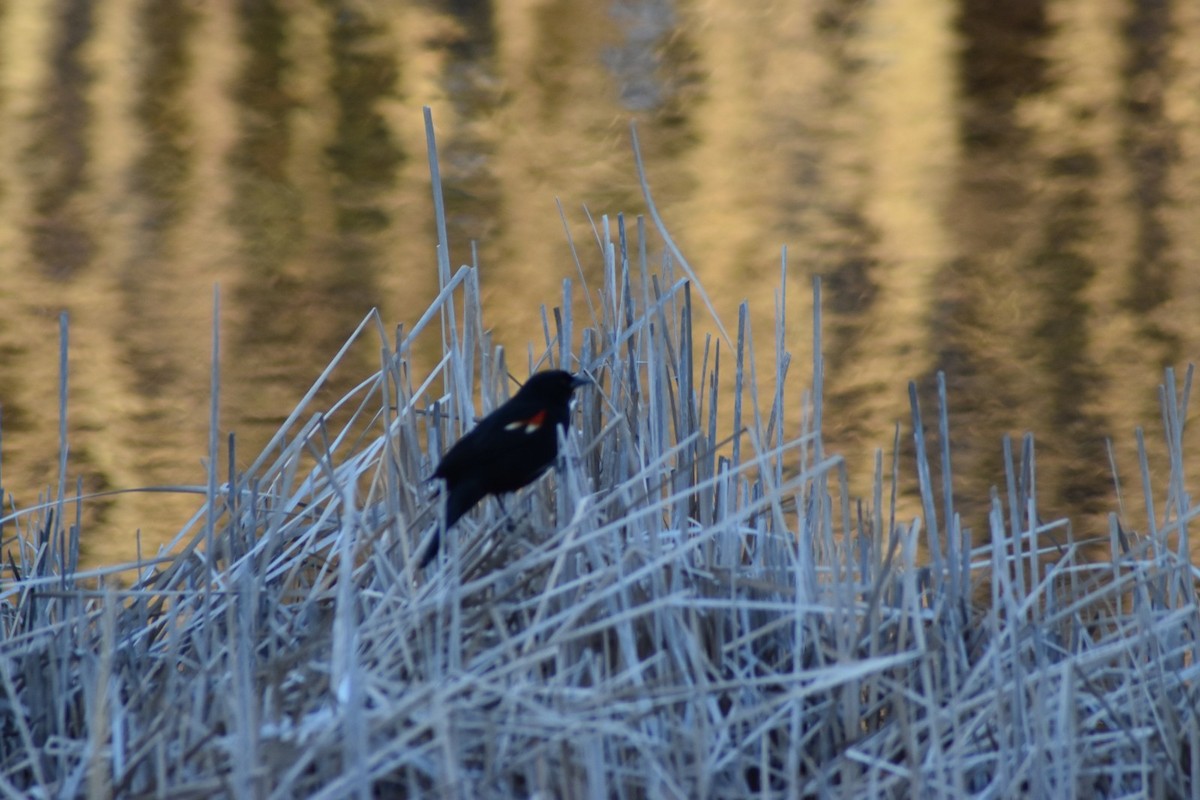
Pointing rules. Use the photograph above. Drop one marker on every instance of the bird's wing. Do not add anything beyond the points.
(464, 454)
(458, 457)
(508, 423)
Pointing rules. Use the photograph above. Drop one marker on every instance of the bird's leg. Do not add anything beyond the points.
(508, 520)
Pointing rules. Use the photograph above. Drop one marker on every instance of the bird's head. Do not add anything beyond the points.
(554, 384)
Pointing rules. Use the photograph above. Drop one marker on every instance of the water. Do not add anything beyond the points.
(1004, 191)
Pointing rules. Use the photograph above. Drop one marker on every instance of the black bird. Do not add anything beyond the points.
(508, 449)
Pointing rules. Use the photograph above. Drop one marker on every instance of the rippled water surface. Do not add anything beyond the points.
(1004, 191)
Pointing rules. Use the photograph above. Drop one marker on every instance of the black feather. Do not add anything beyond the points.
(509, 448)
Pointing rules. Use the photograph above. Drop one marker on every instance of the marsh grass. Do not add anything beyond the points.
(692, 605)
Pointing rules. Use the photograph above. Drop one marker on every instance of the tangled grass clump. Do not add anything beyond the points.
(692, 606)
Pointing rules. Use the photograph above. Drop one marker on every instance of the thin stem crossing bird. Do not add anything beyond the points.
(508, 449)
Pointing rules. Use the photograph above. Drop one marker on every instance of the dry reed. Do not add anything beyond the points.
(683, 610)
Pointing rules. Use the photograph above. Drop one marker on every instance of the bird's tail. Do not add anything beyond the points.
(431, 553)
(459, 500)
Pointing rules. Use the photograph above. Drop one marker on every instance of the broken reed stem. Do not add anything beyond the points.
(671, 629)
(691, 605)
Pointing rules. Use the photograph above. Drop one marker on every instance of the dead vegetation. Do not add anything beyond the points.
(692, 606)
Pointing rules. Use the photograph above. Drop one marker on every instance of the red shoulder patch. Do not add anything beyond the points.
(529, 425)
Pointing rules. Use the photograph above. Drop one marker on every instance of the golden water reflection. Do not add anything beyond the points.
(1004, 191)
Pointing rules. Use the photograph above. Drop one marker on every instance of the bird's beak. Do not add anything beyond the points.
(579, 380)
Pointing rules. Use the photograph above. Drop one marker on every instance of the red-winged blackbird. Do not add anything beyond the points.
(509, 448)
